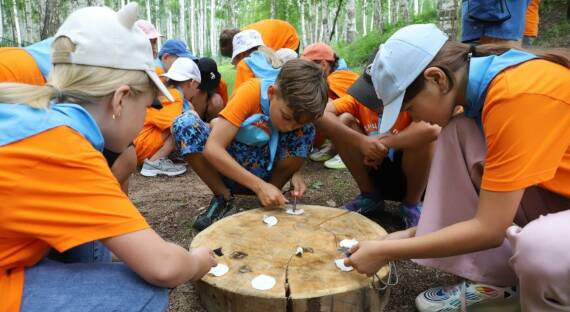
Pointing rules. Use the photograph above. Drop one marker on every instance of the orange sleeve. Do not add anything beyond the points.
(245, 102)
(528, 133)
(243, 74)
(70, 198)
(17, 65)
(532, 19)
(346, 104)
(339, 81)
(163, 118)
(403, 121)
(222, 90)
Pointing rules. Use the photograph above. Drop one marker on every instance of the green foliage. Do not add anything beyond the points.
(228, 74)
(361, 51)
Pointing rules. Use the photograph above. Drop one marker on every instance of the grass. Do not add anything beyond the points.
(229, 74)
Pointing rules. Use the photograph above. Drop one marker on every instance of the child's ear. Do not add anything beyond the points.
(271, 91)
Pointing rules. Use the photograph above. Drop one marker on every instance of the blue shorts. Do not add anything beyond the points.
(89, 281)
(511, 29)
(190, 134)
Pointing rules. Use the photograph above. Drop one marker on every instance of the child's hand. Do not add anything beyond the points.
(298, 184)
(366, 257)
(203, 260)
(371, 148)
(269, 195)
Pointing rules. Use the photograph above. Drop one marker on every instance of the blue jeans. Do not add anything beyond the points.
(89, 281)
(511, 29)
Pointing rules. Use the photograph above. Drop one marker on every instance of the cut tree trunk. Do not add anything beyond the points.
(310, 282)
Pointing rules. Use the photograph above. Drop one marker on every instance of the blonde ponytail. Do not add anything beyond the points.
(270, 56)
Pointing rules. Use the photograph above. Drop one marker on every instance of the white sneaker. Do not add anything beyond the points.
(325, 153)
(478, 297)
(335, 163)
(162, 166)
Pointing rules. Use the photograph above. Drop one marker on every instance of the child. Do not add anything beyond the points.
(495, 170)
(207, 102)
(154, 143)
(252, 58)
(151, 33)
(51, 139)
(32, 65)
(389, 166)
(532, 18)
(339, 80)
(171, 50)
(260, 140)
(276, 34)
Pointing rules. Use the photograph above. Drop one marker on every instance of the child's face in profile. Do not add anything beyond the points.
(282, 116)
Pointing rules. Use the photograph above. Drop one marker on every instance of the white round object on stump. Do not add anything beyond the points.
(263, 282)
(309, 282)
(219, 270)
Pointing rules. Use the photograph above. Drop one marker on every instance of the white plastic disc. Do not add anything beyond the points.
(263, 282)
(348, 243)
(219, 270)
(340, 264)
(297, 211)
(270, 220)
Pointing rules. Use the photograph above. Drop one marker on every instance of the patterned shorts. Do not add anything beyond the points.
(190, 134)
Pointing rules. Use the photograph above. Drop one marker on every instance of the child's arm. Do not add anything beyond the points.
(486, 230)
(417, 133)
(223, 132)
(158, 262)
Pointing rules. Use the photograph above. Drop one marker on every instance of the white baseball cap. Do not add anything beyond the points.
(399, 61)
(106, 38)
(286, 54)
(245, 40)
(184, 69)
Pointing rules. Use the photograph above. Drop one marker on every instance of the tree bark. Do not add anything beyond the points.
(17, 24)
(316, 20)
(325, 18)
(1, 18)
(213, 27)
(416, 7)
(378, 17)
(272, 8)
(29, 22)
(232, 11)
(192, 14)
(182, 19)
(405, 11)
(333, 29)
(364, 12)
(303, 28)
(448, 17)
(351, 21)
(147, 3)
(394, 11)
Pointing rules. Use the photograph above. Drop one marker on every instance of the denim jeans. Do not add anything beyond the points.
(85, 279)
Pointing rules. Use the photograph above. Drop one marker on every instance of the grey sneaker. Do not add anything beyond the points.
(162, 166)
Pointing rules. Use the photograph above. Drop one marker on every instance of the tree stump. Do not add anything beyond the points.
(310, 282)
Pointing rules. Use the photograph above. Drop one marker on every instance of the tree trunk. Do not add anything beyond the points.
(147, 3)
(182, 19)
(448, 17)
(1, 18)
(316, 20)
(325, 18)
(232, 14)
(351, 21)
(333, 29)
(303, 28)
(378, 17)
(192, 14)
(394, 11)
(18, 38)
(272, 9)
(29, 21)
(212, 27)
(405, 11)
(202, 27)
(364, 13)
(416, 7)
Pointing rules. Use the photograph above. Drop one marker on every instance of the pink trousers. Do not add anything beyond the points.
(536, 251)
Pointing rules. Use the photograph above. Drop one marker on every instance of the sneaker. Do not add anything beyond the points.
(335, 163)
(411, 214)
(366, 204)
(162, 166)
(218, 208)
(325, 153)
(477, 297)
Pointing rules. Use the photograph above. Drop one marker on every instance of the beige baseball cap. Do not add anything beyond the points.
(106, 38)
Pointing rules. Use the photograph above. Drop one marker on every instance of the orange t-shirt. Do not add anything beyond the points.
(526, 120)
(17, 65)
(245, 102)
(276, 34)
(222, 90)
(151, 139)
(243, 74)
(367, 118)
(57, 191)
(339, 81)
(532, 19)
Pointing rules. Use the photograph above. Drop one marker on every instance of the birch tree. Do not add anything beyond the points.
(394, 11)
(378, 17)
(29, 20)
(325, 18)
(17, 23)
(232, 14)
(182, 19)
(147, 4)
(1, 18)
(213, 31)
(364, 13)
(405, 11)
(192, 14)
(303, 28)
(351, 21)
(272, 9)
(448, 11)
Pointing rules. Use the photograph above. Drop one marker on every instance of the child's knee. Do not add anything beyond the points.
(190, 133)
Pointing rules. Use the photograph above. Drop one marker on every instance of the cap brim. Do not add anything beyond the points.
(364, 93)
(390, 113)
(158, 83)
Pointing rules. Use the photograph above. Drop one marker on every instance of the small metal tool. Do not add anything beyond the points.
(294, 203)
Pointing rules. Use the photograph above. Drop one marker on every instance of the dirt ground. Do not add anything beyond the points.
(170, 205)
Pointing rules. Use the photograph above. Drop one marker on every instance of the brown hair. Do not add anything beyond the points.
(226, 41)
(455, 55)
(303, 85)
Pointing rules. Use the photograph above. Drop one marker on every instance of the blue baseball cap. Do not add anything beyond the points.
(175, 47)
